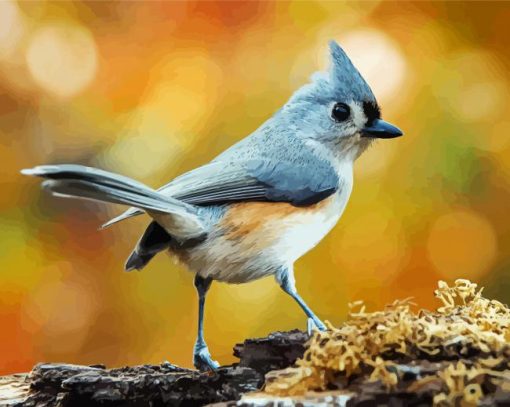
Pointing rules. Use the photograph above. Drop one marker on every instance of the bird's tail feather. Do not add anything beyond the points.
(78, 181)
(154, 240)
(124, 215)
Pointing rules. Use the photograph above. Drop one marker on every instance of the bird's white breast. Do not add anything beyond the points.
(255, 239)
(304, 230)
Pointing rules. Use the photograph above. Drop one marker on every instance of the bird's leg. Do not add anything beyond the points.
(285, 277)
(201, 356)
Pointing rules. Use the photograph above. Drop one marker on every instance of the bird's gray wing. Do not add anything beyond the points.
(209, 183)
(302, 180)
(296, 182)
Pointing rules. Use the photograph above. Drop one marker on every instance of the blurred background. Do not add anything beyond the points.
(151, 90)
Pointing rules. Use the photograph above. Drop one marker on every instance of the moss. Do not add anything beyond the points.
(466, 339)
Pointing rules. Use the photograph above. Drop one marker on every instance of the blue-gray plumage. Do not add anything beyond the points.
(261, 204)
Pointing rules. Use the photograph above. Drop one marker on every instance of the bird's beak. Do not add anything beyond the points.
(381, 129)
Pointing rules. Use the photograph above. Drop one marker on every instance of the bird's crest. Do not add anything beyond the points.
(345, 78)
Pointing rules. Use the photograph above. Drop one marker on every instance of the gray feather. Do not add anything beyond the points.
(346, 80)
(124, 215)
(81, 172)
(90, 183)
(104, 193)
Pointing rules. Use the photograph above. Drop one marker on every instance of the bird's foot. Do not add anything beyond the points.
(315, 323)
(202, 359)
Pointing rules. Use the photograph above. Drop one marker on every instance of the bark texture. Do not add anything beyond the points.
(63, 385)
(66, 385)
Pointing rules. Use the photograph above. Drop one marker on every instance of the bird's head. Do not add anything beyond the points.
(338, 108)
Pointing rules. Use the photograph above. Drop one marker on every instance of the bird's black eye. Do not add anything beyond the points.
(340, 112)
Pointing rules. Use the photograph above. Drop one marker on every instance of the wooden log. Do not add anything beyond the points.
(65, 385)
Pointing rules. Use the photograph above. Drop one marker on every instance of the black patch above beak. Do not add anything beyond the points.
(381, 129)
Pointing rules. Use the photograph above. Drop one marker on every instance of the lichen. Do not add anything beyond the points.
(467, 337)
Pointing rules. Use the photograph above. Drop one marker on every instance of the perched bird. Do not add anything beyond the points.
(260, 205)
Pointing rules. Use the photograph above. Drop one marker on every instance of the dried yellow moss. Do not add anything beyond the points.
(465, 324)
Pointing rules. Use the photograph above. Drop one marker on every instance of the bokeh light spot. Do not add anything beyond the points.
(462, 244)
(58, 308)
(374, 249)
(175, 107)
(471, 83)
(62, 59)
(481, 101)
(498, 138)
(379, 60)
(11, 27)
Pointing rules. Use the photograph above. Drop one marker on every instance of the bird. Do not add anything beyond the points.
(261, 204)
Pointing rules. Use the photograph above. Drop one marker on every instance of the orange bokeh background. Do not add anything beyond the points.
(151, 90)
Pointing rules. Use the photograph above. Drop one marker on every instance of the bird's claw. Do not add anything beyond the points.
(202, 359)
(315, 323)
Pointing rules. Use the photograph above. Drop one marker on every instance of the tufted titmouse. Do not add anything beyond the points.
(260, 205)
